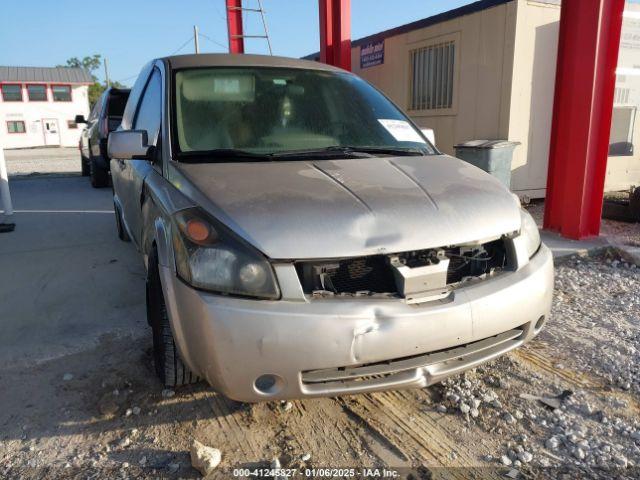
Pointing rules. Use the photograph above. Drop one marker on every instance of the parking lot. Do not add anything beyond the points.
(81, 400)
(39, 161)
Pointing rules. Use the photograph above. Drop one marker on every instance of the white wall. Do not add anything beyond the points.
(624, 171)
(34, 113)
(533, 85)
(482, 87)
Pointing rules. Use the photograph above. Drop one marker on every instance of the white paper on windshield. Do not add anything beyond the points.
(401, 130)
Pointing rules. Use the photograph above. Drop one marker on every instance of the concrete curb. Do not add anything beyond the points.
(564, 249)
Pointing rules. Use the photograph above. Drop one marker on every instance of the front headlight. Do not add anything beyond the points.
(210, 257)
(529, 230)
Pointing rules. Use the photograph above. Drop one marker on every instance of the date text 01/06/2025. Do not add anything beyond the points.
(316, 472)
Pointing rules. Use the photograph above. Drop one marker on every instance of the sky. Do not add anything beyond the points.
(130, 33)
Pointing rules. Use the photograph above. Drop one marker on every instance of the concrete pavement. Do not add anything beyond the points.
(43, 160)
(65, 278)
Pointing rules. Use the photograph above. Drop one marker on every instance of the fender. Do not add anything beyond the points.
(159, 201)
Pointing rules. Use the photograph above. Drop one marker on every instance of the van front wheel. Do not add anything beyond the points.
(168, 364)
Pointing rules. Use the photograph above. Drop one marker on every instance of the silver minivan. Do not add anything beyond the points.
(302, 237)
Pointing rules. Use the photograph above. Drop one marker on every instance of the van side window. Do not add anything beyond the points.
(149, 112)
(134, 96)
(95, 111)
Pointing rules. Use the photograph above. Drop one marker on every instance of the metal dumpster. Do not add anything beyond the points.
(492, 156)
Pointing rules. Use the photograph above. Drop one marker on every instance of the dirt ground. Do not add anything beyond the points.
(96, 410)
(111, 419)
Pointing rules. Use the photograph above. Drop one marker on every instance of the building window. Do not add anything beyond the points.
(621, 134)
(61, 93)
(71, 124)
(11, 92)
(15, 126)
(432, 69)
(37, 93)
(621, 95)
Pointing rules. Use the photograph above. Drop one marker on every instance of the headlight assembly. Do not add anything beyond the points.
(211, 258)
(529, 230)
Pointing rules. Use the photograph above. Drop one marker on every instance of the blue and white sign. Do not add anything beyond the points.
(372, 54)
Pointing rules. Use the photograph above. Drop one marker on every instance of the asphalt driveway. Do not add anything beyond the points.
(65, 277)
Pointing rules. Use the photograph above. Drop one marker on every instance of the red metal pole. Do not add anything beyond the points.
(335, 32)
(588, 45)
(326, 31)
(342, 33)
(234, 26)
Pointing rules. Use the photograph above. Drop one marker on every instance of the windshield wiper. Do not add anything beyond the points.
(347, 150)
(389, 150)
(235, 155)
(222, 154)
(332, 151)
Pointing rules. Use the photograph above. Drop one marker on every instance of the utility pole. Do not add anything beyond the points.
(106, 73)
(195, 38)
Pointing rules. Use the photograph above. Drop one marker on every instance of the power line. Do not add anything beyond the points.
(215, 42)
(222, 17)
(128, 78)
(189, 40)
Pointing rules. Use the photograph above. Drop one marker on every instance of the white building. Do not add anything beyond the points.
(38, 106)
(487, 71)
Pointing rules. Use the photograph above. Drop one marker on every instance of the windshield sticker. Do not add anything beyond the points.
(401, 130)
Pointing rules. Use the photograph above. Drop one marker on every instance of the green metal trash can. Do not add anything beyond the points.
(492, 156)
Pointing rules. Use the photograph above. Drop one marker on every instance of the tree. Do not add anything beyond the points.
(91, 64)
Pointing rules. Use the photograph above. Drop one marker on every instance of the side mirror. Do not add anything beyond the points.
(428, 132)
(128, 145)
(80, 119)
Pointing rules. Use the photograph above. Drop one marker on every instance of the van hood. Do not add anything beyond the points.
(354, 207)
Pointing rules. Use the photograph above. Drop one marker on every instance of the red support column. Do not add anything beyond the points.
(234, 26)
(335, 32)
(588, 46)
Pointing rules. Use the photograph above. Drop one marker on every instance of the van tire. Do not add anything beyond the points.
(84, 166)
(170, 369)
(99, 176)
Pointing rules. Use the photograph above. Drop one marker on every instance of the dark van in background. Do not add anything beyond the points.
(105, 117)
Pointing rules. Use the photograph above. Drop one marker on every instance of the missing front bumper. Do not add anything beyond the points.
(231, 342)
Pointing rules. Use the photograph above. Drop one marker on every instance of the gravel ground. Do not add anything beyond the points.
(102, 414)
(37, 161)
(98, 411)
(591, 351)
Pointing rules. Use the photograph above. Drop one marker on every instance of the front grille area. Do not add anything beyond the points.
(373, 275)
(363, 274)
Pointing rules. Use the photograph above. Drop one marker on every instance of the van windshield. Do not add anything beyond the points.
(275, 111)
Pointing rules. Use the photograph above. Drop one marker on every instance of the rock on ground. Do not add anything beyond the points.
(204, 459)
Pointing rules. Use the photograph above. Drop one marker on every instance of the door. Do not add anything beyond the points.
(131, 173)
(51, 131)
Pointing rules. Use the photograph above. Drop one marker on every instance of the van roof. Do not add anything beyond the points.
(243, 60)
